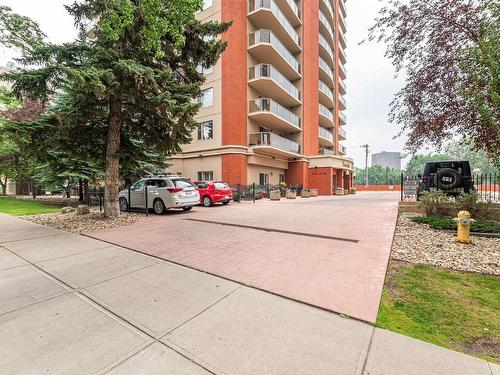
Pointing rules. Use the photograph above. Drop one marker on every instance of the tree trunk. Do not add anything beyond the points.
(4, 185)
(86, 192)
(112, 178)
(80, 191)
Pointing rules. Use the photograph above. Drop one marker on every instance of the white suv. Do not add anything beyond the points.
(164, 192)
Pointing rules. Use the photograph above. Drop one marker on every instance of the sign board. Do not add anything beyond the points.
(410, 187)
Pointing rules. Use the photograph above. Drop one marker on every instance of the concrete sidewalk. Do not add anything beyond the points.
(75, 305)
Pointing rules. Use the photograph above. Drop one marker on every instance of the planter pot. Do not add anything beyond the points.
(313, 192)
(346, 191)
(275, 195)
(291, 194)
(305, 193)
(339, 191)
(353, 191)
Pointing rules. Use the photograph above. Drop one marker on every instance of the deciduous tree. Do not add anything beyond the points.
(446, 49)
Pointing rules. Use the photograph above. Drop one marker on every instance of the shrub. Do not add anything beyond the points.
(434, 203)
(471, 202)
(447, 223)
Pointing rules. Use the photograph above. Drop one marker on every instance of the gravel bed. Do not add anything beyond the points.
(417, 243)
(83, 223)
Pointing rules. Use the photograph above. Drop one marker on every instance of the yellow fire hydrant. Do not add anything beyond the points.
(464, 222)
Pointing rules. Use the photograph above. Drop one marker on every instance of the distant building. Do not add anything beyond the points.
(387, 159)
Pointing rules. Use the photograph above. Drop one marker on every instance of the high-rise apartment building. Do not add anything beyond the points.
(272, 107)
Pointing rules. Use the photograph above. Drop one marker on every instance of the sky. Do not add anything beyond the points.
(371, 82)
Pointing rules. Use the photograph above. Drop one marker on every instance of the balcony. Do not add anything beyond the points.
(343, 12)
(274, 145)
(326, 151)
(342, 134)
(325, 94)
(342, 39)
(342, 119)
(265, 46)
(272, 114)
(325, 137)
(326, 73)
(342, 150)
(326, 52)
(266, 79)
(342, 23)
(266, 14)
(342, 71)
(342, 87)
(291, 10)
(325, 27)
(326, 6)
(342, 56)
(342, 103)
(325, 117)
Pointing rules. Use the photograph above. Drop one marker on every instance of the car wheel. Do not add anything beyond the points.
(159, 206)
(225, 202)
(187, 208)
(207, 202)
(123, 204)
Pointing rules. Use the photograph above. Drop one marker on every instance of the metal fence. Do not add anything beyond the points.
(486, 185)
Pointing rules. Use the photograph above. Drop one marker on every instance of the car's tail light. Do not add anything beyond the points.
(174, 190)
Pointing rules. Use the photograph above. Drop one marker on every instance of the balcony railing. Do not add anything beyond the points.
(342, 133)
(342, 102)
(326, 45)
(269, 105)
(267, 36)
(271, 5)
(329, 6)
(342, 71)
(326, 23)
(325, 111)
(323, 65)
(325, 89)
(274, 140)
(342, 9)
(342, 87)
(326, 151)
(343, 118)
(324, 133)
(269, 71)
(294, 7)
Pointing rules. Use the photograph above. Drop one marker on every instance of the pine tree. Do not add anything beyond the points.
(131, 78)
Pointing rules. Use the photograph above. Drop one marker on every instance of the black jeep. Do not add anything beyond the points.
(451, 176)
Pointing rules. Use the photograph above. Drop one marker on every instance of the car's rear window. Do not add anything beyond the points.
(182, 183)
(221, 185)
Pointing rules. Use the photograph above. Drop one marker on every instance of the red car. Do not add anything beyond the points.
(214, 192)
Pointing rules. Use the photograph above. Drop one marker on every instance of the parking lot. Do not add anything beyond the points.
(330, 252)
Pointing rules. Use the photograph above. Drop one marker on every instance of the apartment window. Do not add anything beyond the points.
(205, 130)
(205, 71)
(263, 178)
(282, 178)
(206, 98)
(205, 176)
(207, 4)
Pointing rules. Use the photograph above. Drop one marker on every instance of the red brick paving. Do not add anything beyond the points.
(339, 276)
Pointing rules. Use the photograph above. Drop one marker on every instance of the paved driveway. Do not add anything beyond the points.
(74, 305)
(329, 252)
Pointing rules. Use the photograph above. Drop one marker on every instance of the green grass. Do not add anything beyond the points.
(447, 223)
(455, 310)
(20, 207)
